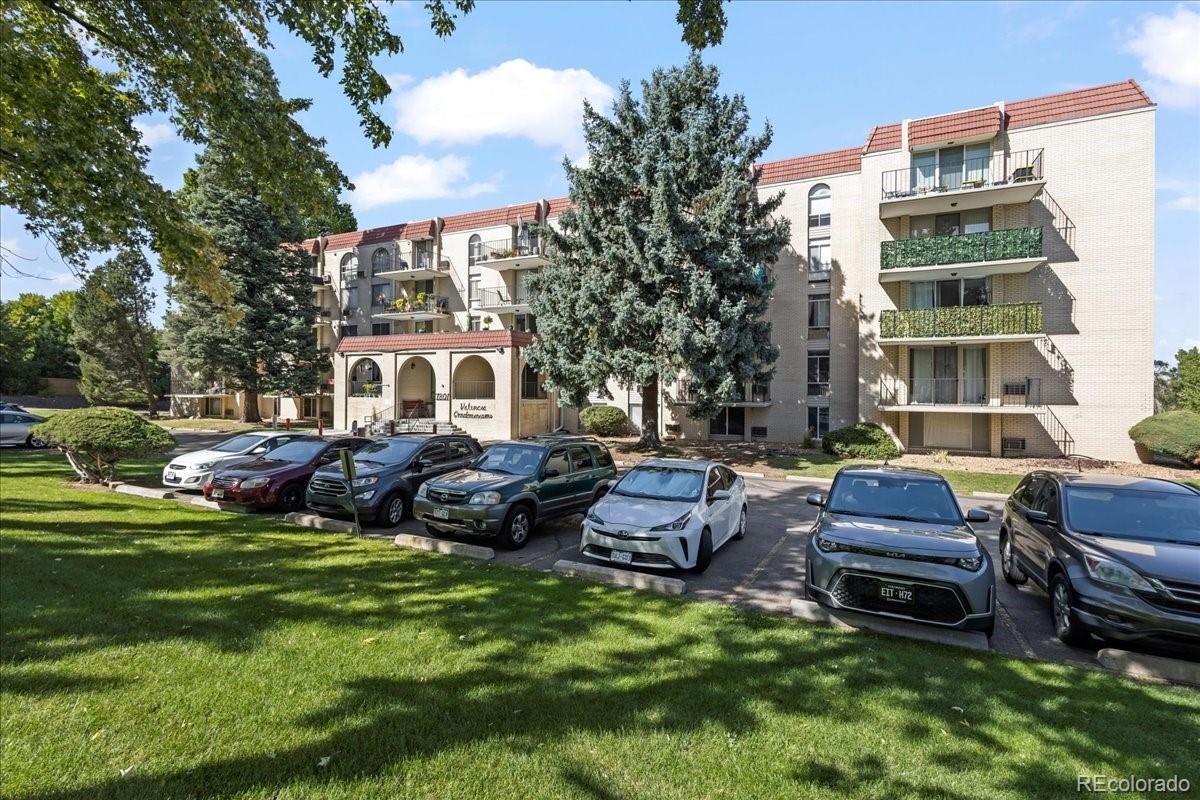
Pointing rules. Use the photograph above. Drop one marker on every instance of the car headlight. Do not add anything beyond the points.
(1109, 571)
(423, 490)
(677, 525)
(828, 545)
(205, 465)
(485, 499)
(592, 517)
(971, 564)
(255, 483)
(370, 480)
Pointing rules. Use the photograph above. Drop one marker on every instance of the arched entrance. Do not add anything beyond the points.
(474, 380)
(415, 389)
(366, 379)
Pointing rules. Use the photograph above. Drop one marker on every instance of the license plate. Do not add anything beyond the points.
(441, 513)
(218, 493)
(170, 476)
(897, 593)
(621, 557)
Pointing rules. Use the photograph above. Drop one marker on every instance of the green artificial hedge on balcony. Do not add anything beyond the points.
(934, 250)
(1005, 318)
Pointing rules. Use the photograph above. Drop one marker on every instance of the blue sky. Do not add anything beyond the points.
(484, 118)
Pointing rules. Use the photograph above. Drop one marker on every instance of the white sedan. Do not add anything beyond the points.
(667, 513)
(192, 470)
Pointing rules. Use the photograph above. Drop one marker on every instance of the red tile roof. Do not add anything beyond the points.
(883, 137)
(1090, 102)
(433, 341)
(557, 206)
(507, 215)
(794, 169)
(388, 233)
(949, 127)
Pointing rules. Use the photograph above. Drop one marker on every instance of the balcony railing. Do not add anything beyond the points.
(491, 298)
(506, 248)
(437, 305)
(318, 279)
(961, 249)
(959, 392)
(997, 169)
(954, 321)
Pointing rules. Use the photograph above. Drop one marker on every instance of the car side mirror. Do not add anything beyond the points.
(719, 494)
(1038, 516)
(423, 464)
(978, 515)
(816, 499)
(258, 451)
(550, 472)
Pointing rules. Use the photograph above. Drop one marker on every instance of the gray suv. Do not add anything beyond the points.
(893, 542)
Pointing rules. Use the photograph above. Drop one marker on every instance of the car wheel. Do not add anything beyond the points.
(393, 510)
(1067, 626)
(703, 553)
(1008, 562)
(740, 533)
(291, 498)
(514, 533)
(35, 442)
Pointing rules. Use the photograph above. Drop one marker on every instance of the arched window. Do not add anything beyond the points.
(474, 248)
(381, 260)
(349, 268)
(820, 202)
(366, 379)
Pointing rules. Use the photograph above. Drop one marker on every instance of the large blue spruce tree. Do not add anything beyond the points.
(659, 267)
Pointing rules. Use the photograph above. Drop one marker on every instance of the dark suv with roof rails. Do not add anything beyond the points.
(515, 485)
(1118, 556)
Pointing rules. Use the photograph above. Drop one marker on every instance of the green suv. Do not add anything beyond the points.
(515, 485)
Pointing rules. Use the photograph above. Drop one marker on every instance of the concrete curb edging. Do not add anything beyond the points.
(442, 546)
(810, 611)
(303, 520)
(659, 584)
(750, 474)
(989, 496)
(1156, 668)
(212, 505)
(809, 479)
(142, 491)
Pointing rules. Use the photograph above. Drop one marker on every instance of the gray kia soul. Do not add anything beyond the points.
(894, 542)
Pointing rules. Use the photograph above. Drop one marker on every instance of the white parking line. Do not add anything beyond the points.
(762, 565)
(1012, 628)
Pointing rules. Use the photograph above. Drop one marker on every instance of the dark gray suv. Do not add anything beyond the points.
(1119, 556)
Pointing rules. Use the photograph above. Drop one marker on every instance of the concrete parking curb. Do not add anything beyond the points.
(1157, 668)
(215, 506)
(442, 546)
(618, 577)
(142, 491)
(320, 523)
(989, 496)
(809, 611)
(808, 479)
(750, 474)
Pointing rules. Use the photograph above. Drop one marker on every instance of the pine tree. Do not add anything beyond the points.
(659, 267)
(263, 343)
(117, 343)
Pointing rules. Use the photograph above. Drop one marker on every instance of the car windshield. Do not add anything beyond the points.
(511, 459)
(238, 444)
(298, 452)
(662, 483)
(1134, 513)
(894, 497)
(389, 451)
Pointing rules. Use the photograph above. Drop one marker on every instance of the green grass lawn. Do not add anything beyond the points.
(155, 650)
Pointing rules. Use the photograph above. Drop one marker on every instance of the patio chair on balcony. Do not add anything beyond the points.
(1023, 175)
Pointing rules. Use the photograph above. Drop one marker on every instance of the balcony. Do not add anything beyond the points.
(322, 317)
(960, 396)
(1004, 322)
(509, 254)
(423, 267)
(998, 179)
(502, 301)
(319, 282)
(970, 255)
(419, 308)
(759, 396)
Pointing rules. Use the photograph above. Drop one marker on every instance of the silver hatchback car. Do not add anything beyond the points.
(893, 542)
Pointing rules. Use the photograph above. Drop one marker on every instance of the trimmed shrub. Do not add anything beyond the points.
(95, 439)
(864, 440)
(604, 420)
(1172, 433)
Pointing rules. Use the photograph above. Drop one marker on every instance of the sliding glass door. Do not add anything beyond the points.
(975, 375)
(934, 375)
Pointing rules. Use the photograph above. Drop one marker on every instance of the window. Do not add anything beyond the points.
(382, 295)
(818, 375)
(475, 324)
(820, 202)
(474, 249)
(425, 286)
(558, 460)
(423, 254)
(977, 220)
(954, 292)
(351, 304)
(713, 484)
(350, 330)
(818, 316)
(381, 328)
(435, 452)
(951, 168)
(729, 422)
(459, 449)
(818, 421)
(819, 259)
(474, 290)
(602, 456)
(381, 260)
(423, 326)
(531, 386)
(581, 458)
(349, 268)
(523, 323)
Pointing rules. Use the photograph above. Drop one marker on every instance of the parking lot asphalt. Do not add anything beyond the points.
(765, 571)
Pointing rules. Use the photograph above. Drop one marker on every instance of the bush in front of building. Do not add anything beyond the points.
(863, 440)
(604, 421)
(95, 439)
(1172, 433)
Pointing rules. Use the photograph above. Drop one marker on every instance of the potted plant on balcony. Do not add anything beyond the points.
(401, 304)
(421, 299)
(487, 320)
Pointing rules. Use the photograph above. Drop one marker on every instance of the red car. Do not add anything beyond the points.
(279, 479)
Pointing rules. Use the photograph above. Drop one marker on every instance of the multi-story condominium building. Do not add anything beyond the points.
(980, 281)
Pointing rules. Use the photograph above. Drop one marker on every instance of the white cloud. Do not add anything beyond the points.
(515, 99)
(155, 133)
(1185, 202)
(417, 177)
(1169, 48)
